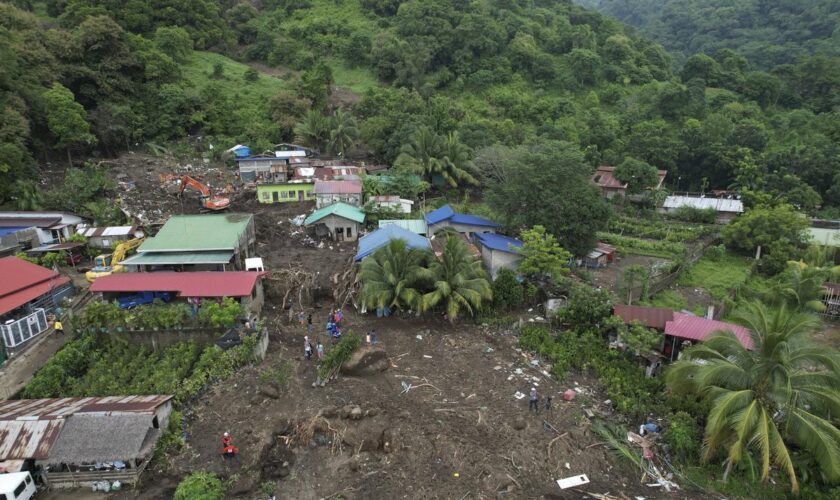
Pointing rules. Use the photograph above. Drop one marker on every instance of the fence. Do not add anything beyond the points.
(660, 282)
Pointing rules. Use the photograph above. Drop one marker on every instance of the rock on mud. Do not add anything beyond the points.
(369, 360)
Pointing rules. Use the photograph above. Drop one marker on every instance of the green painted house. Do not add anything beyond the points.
(280, 193)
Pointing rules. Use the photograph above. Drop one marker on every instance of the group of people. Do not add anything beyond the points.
(534, 401)
(334, 325)
(308, 348)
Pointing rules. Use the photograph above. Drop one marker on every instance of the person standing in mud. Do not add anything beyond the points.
(533, 401)
(307, 348)
(309, 323)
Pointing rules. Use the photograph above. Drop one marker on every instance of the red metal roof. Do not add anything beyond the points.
(651, 317)
(23, 281)
(604, 178)
(608, 249)
(30, 427)
(690, 327)
(194, 284)
(338, 187)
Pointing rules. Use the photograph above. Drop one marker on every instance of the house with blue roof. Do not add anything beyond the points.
(372, 242)
(444, 217)
(498, 251)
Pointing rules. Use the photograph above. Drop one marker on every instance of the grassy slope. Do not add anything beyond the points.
(717, 277)
(198, 70)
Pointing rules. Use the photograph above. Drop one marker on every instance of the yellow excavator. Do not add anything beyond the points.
(110, 263)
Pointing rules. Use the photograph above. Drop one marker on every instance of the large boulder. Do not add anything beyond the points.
(368, 360)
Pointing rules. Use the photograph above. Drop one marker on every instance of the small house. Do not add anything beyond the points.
(604, 179)
(726, 208)
(106, 237)
(244, 286)
(329, 192)
(498, 251)
(209, 242)
(445, 217)
(239, 151)
(339, 221)
(284, 193)
(372, 242)
(285, 150)
(831, 300)
(416, 226)
(75, 442)
(263, 170)
(28, 293)
(51, 227)
(393, 202)
(600, 256)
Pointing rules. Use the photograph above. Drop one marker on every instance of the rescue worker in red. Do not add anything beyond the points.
(229, 452)
(226, 441)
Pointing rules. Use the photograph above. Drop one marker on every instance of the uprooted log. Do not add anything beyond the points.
(345, 285)
(291, 283)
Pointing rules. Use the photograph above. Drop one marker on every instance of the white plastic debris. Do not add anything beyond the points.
(518, 395)
(427, 356)
(518, 371)
(568, 466)
(419, 337)
(497, 367)
(535, 362)
(572, 482)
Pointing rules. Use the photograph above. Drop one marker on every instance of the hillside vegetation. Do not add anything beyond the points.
(766, 32)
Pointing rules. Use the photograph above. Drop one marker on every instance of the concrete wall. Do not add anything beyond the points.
(494, 260)
(329, 225)
(322, 200)
(285, 193)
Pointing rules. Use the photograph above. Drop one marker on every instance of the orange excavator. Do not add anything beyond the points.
(209, 201)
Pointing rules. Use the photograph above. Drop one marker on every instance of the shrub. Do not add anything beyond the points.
(715, 253)
(53, 259)
(223, 314)
(200, 486)
(339, 354)
(683, 436)
(586, 306)
(507, 291)
(691, 214)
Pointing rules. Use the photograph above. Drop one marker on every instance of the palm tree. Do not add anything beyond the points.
(782, 392)
(801, 285)
(344, 132)
(390, 276)
(428, 154)
(314, 130)
(457, 161)
(459, 280)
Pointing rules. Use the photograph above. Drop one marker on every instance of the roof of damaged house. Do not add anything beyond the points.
(208, 232)
(187, 284)
(499, 242)
(24, 281)
(604, 177)
(719, 204)
(44, 220)
(687, 326)
(90, 232)
(372, 242)
(417, 226)
(651, 317)
(446, 213)
(343, 210)
(439, 242)
(338, 187)
(29, 428)
(88, 438)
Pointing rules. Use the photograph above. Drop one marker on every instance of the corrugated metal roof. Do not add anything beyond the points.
(499, 242)
(690, 327)
(338, 209)
(382, 236)
(56, 247)
(198, 232)
(338, 187)
(651, 317)
(24, 281)
(832, 287)
(441, 214)
(417, 226)
(719, 204)
(175, 258)
(446, 213)
(29, 221)
(196, 284)
(51, 408)
(89, 232)
(30, 427)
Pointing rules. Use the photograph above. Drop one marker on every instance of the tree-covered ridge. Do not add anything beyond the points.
(766, 32)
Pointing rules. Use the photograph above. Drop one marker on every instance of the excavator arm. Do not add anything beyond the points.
(208, 201)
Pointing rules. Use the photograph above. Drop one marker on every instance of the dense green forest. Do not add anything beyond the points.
(767, 32)
(461, 90)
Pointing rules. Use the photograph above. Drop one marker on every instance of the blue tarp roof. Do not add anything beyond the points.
(439, 215)
(498, 242)
(472, 220)
(446, 213)
(379, 238)
(9, 230)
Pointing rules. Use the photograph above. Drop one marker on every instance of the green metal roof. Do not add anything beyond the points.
(826, 237)
(176, 258)
(338, 209)
(416, 226)
(198, 233)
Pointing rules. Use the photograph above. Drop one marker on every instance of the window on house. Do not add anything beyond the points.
(20, 488)
(597, 179)
(349, 232)
(266, 196)
(156, 423)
